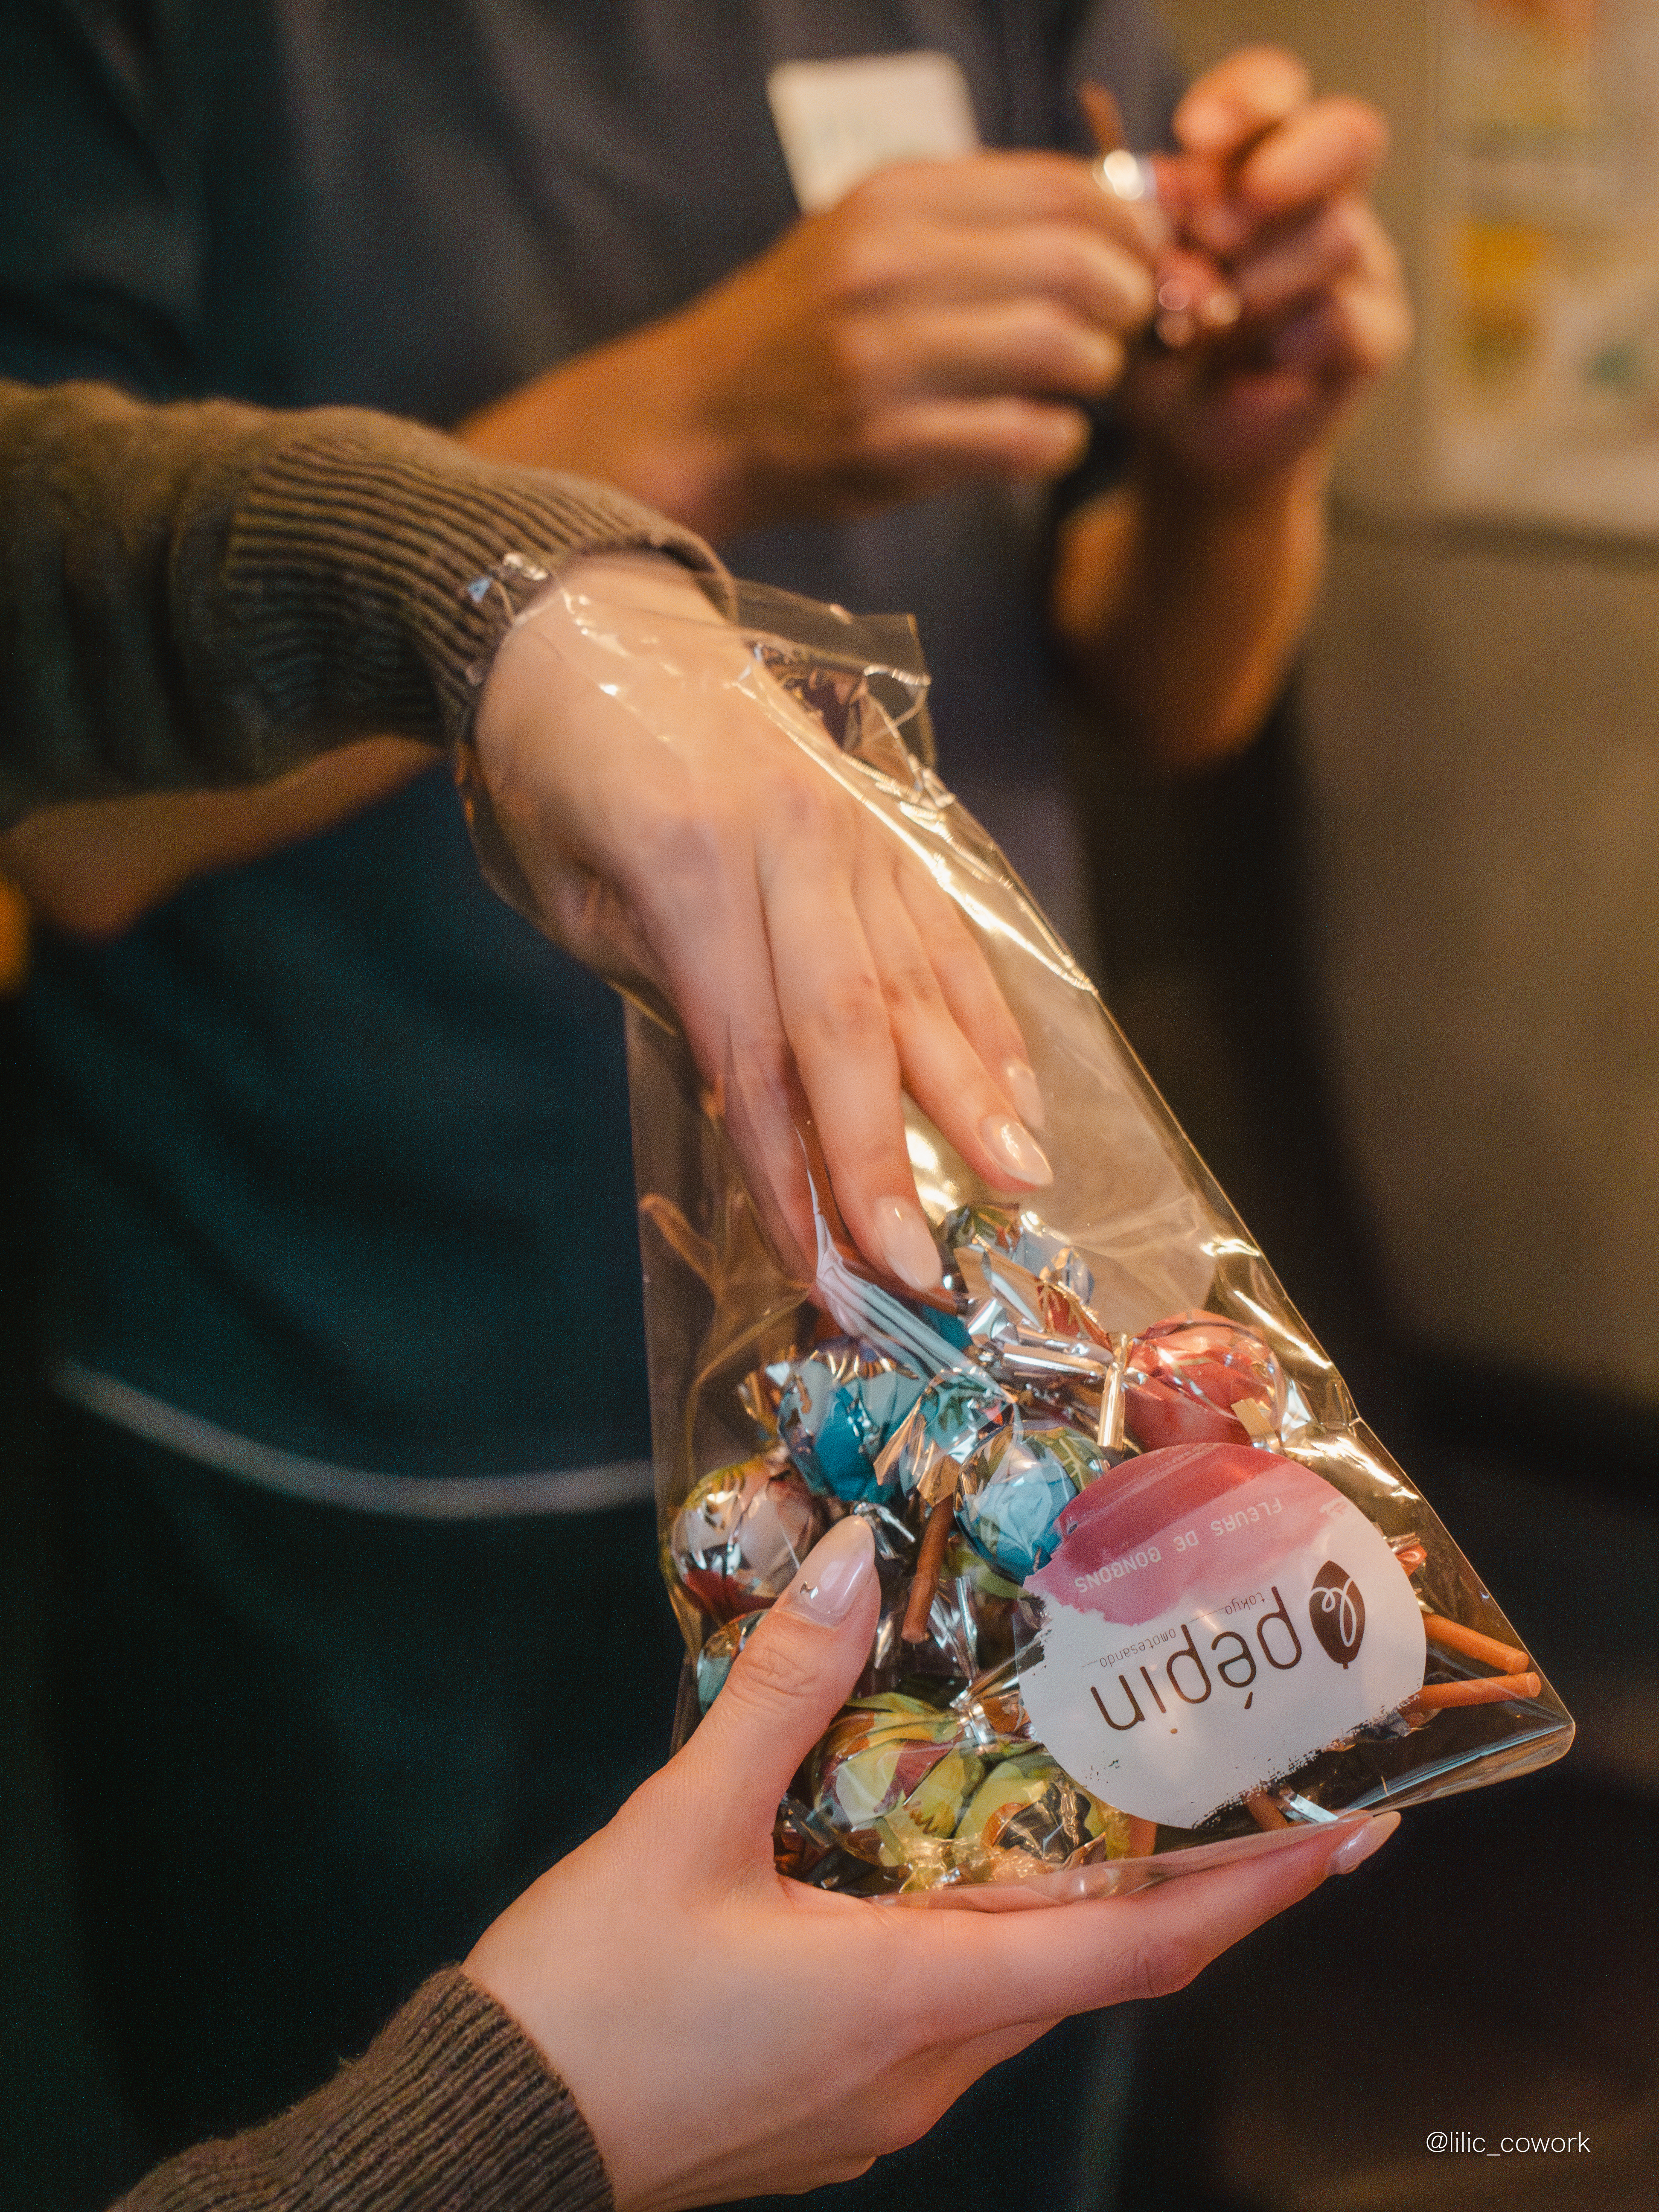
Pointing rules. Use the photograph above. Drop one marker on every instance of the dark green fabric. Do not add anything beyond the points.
(308, 1754)
(415, 205)
(209, 594)
(341, 1159)
(350, 1175)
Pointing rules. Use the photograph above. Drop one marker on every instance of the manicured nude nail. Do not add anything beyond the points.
(1363, 1841)
(835, 1570)
(907, 1242)
(1019, 1081)
(1013, 1147)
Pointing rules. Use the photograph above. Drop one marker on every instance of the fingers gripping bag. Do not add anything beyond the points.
(1151, 1593)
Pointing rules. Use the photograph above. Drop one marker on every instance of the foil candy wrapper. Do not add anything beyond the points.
(899, 1783)
(956, 1413)
(1014, 1488)
(838, 1405)
(1034, 1331)
(1200, 1378)
(1029, 1810)
(714, 1661)
(969, 1628)
(1024, 1238)
(892, 1772)
(734, 1546)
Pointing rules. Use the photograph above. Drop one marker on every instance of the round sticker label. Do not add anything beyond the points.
(1214, 1617)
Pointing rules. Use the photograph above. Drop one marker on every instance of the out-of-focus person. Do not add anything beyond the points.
(198, 595)
(351, 1451)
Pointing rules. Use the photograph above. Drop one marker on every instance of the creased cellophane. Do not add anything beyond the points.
(1178, 1600)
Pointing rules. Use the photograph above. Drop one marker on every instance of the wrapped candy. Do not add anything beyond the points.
(1033, 1334)
(1013, 1489)
(965, 1628)
(1202, 1378)
(839, 1405)
(1027, 1809)
(735, 1544)
(1004, 1303)
(1248, 1621)
(715, 1658)
(957, 1414)
(890, 1773)
(1025, 1239)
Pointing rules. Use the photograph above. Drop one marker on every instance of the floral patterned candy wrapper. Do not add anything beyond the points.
(891, 1780)
(735, 1544)
(1280, 1629)
(1013, 1489)
(958, 1412)
(839, 1405)
(1029, 1815)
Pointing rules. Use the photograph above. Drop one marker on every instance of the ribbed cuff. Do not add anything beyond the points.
(363, 528)
(451, 2109)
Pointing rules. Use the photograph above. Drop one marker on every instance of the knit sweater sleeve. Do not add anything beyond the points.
(206, 594)
(451, 2109)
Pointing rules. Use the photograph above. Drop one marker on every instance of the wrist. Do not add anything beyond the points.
(1167, 484)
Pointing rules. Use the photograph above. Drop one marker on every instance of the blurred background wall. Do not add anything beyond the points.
(1396, 971)
(1479, 738)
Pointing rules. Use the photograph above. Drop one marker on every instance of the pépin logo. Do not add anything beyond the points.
(1338, 1613)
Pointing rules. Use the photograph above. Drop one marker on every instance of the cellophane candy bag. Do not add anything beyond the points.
(1151, 1590)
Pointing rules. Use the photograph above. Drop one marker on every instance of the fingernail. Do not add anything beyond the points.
(1012, 1145)
(833, 1571)
(1360, 1845)
(1019, 1081)
(907, 1242)
(1222, 309)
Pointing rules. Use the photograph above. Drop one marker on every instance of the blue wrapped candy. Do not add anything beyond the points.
(716, 1659)
(1014, 1489)
(841, 1403)
(958, 1412)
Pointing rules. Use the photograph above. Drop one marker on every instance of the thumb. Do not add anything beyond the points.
(789, 1681)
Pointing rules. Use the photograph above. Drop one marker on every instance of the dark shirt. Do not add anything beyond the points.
(340, 1156)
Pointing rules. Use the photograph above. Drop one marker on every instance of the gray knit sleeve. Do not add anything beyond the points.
(451, 2109)
(207, 594)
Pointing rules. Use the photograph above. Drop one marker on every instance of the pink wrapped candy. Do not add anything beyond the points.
(1199, 1378)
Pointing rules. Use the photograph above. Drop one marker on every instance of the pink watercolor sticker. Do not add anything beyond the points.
(1214, 1617)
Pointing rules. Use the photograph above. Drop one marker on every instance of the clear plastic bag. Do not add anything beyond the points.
(1151, 1593)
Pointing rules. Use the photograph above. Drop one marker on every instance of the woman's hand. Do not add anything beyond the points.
(726, 2032)
(669, 806)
